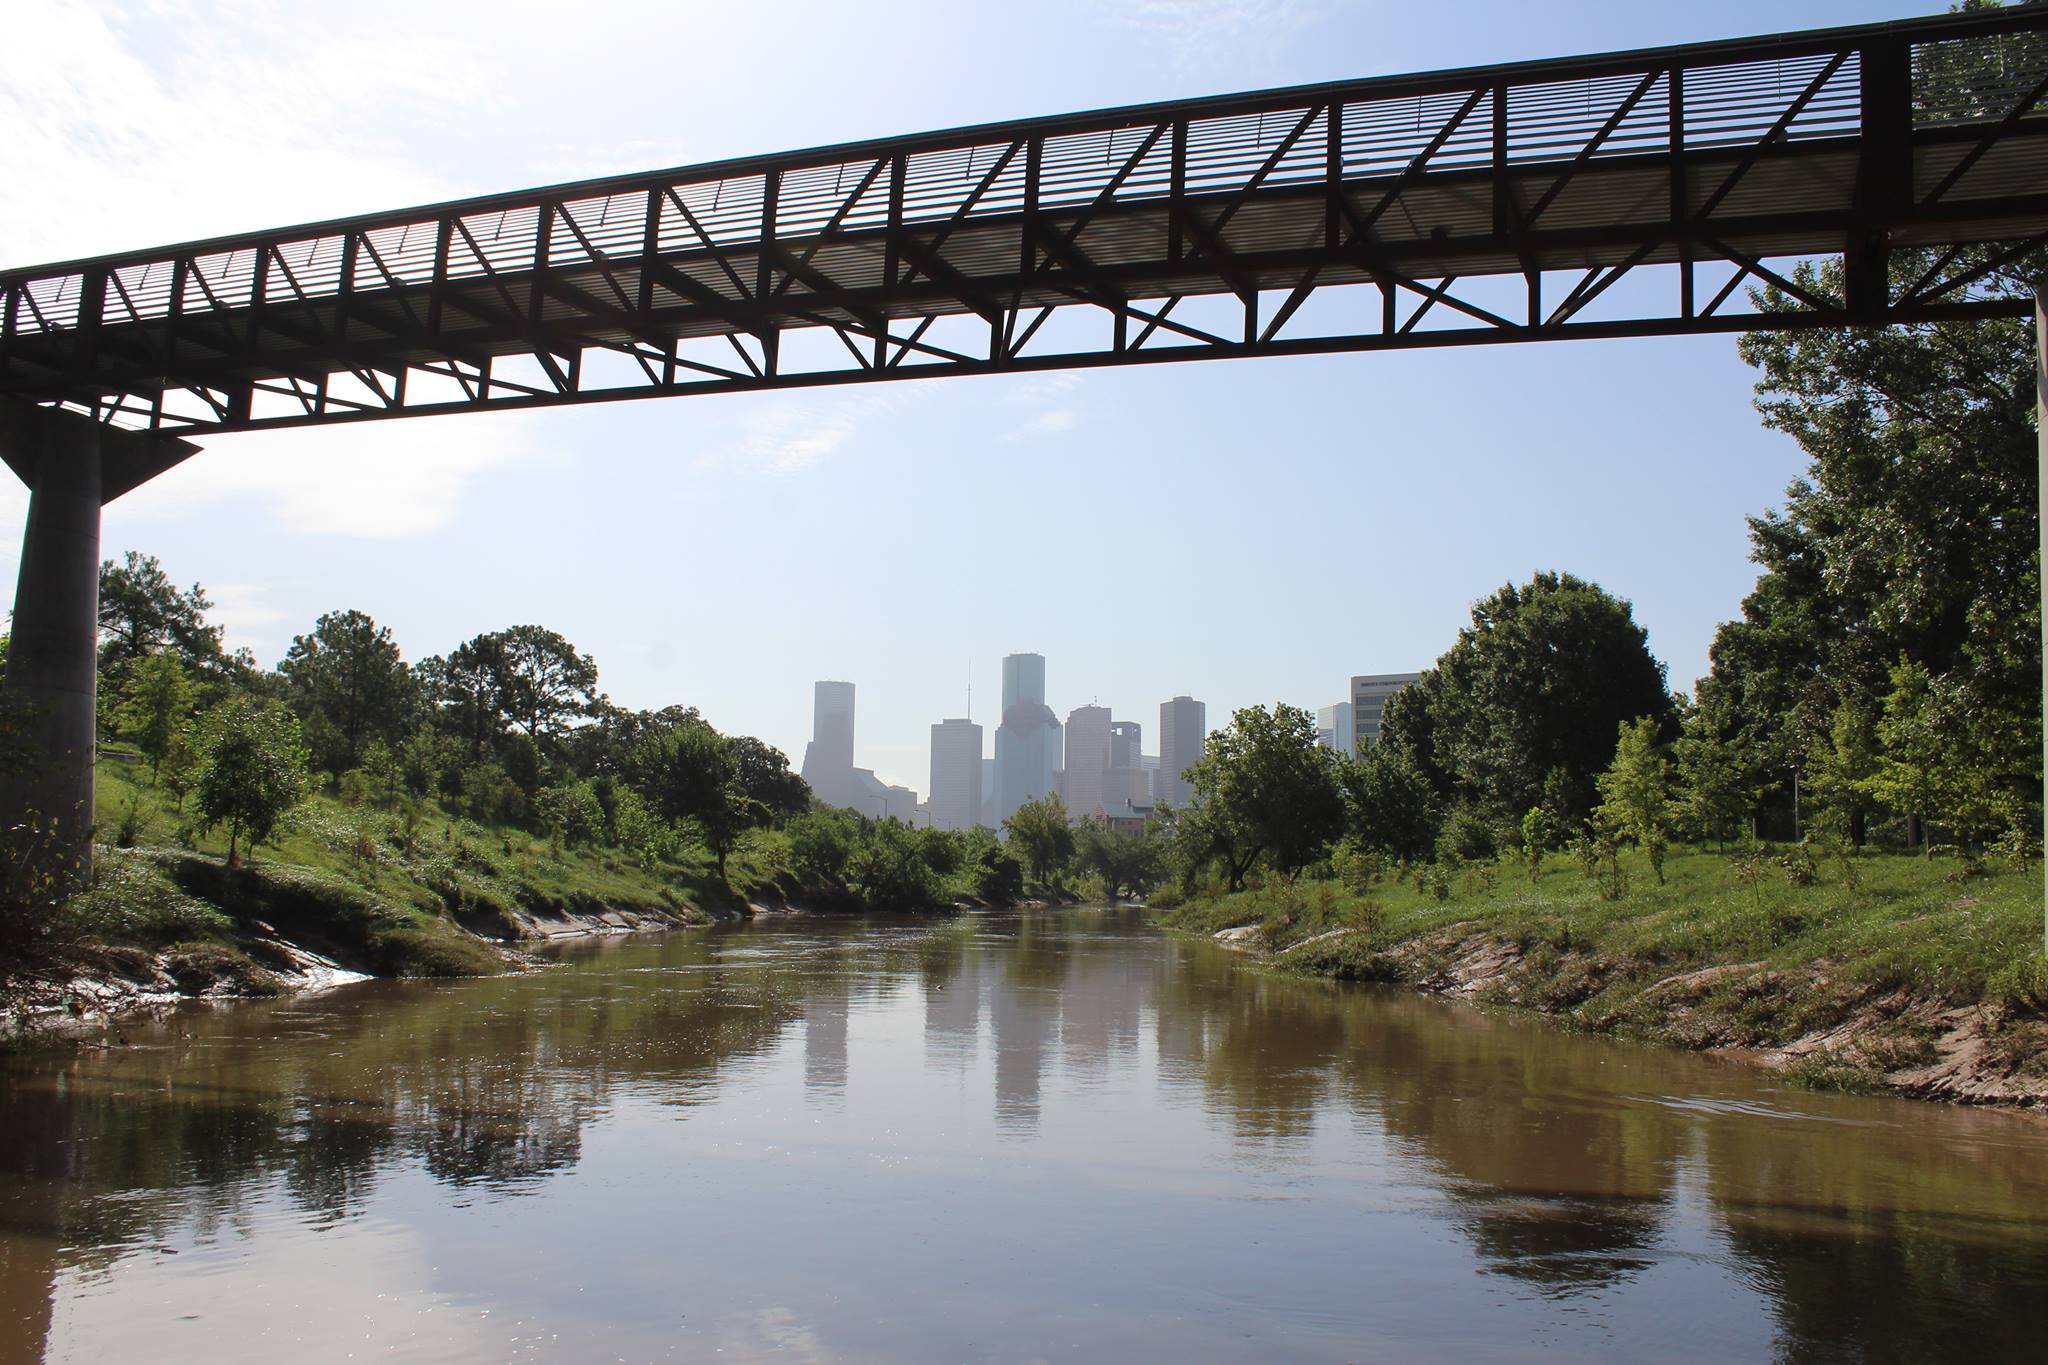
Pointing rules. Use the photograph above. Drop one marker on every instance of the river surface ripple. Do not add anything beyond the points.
(1037, 1136)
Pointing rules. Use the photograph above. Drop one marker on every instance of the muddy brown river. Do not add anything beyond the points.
(1007, 1137)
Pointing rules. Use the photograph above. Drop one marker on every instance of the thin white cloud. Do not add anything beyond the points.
(1053, 421)
(792, 434)
(248, 620)
(196, 120)
(1049, 396)
(137, 123)
(1203, 35)
(374, 480)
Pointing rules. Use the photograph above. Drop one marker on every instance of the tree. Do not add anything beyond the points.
(1041, 833)
(1265, 788)
(142, 612)
(998, 876)
(1536, 686)
(1126, 862)
(1719, 787)
(156, 705)
(570, 813)
(252, 769)
(890, 864)
(463, 686)
(349, 686)
(1389, 803)
(1933, 763)
(1635, 790)
(1914, 532)
(543, 684)
(765, 777)
(688, 774)
(821, 844)
(1843, 770)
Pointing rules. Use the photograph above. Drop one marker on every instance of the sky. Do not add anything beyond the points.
(1244, 531)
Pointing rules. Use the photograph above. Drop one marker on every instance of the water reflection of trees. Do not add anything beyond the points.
(487, 1084)
(1564, 1158)
(1560, 1160)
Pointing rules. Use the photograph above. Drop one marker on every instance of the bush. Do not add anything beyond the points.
(2021, 985)
(1465, 835)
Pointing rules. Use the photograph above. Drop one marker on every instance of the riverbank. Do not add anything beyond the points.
(345, 892)
(1869, 973)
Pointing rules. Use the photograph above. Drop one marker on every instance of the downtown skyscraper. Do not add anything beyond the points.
(1183, 730)
(1028, 740)
(956, 775)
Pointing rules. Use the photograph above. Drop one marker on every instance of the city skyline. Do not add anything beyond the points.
(1106, 764)
(822, 495)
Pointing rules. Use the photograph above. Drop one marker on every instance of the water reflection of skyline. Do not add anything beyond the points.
(1551, 1156)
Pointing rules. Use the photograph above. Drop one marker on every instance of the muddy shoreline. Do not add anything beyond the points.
(1862, 1040)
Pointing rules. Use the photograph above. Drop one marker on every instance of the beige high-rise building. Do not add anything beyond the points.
(1369, 694)
(1087, 759)
(956, 775)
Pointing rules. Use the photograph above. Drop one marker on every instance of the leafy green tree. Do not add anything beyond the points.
(1041, 833)
(765, 777)
(179, 771)
(142, 612)
(1635, 790)
(1389, 803)
(1719, 789)
(252, 770)
(425, 760)
(543, 685)
(1264, 788)
(349, 686)
(821, 844)
(385, 774)
(1535, 686)
(463, 686)
(688, 774)
(1127, 863)
(998, 876)
(1914, 531)
(1934, 763)
(1843, 770)
(156, 704)
(1536, 837)
(891, 865)
(570, 813)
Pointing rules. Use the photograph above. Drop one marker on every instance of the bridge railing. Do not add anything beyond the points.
(1984, 71)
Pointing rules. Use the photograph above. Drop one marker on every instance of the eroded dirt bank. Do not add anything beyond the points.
(1817, 1023)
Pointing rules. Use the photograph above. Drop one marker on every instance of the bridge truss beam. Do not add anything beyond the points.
(1632, 194)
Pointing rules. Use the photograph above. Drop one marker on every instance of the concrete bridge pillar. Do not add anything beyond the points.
(72, 466)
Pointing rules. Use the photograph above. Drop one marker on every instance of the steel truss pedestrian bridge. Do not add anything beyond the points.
(1622, 195)
(1631, 194)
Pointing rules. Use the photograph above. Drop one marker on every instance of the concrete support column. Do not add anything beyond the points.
(52, 657)
(72, 466)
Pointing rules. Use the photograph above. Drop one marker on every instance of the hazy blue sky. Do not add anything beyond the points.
(1243, 531)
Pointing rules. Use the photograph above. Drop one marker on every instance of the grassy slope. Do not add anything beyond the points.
(356, 884)
(1712, 957)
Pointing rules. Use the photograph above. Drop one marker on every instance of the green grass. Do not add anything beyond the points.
(1941, 929)
(391, 892)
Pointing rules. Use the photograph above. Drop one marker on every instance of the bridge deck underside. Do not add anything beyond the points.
(1713, 164)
